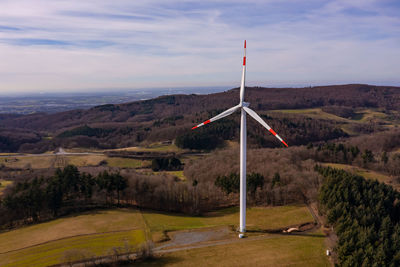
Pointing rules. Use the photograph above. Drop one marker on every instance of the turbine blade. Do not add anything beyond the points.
(242, 85)
(219, 116)
(255, 116)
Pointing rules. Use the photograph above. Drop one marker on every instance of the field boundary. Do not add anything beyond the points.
(68, 237)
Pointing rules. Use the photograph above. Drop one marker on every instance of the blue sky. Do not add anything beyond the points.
(73, 45)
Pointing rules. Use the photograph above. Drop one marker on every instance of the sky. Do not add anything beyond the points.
(92, 45)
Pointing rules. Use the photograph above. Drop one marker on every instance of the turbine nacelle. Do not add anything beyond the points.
(244, 104)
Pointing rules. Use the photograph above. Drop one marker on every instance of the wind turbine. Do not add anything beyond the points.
(243, 107)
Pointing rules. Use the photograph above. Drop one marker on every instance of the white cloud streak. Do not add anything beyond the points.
(50, 45)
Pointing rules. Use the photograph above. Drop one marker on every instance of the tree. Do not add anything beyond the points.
(365, 217)
(229, 184)
(254, 180)
(120, 184)
(384, 157)
(54, 193)
(367, 156)
(276, 180)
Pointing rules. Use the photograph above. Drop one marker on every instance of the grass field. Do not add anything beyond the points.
(313, 113)
(360, 171)
(257, 218)
(73, 248)
(361, 116)
(96, 233)
(49, 161)
(28, 162)
(282, 250)
(91, 223)
(156, 147)
(4, 184)
(127, 162)
(85, 160)
(367, 115)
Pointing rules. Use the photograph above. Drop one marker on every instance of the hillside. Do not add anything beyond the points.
(166, 117)
(181, 186)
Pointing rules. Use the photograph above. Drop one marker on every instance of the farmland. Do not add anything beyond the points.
(96, 233)
(257, 218)
(44, 161)
(271, 250)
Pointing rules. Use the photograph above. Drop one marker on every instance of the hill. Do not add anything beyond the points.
(166, 117)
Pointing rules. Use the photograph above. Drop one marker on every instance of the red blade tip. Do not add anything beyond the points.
(244, 43)
(285, 143)
(194, 127)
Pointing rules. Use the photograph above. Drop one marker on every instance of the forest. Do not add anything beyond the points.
(165, 117)
(366, 218)
(66, 191)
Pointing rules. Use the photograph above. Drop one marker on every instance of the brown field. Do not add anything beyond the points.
(97, 232)
(45, 161)
(84, 224)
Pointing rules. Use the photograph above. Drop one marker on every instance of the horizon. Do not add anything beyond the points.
(173, 90)
(80, 92)
(73, 46)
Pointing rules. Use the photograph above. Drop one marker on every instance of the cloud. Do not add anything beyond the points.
(68, 45)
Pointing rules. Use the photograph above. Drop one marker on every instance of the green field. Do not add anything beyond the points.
(367, 115)
(155, 147)
(361, 116)
(50, 161)
(73, 248)
(313, 113)
(97, 232)
(273, 250)
(94, 233)
(258, 218)
(92, 223)
(127, 162)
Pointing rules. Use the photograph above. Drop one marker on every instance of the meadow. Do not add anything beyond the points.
(258, 218)
(313, 113)
(44, 161)
(98, 233)
(360, 116)
(95, 234)
(271, 250)
(369, 174)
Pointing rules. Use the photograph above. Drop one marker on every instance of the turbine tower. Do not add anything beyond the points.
(244, 108)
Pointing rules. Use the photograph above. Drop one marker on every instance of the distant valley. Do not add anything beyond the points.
(57, 102)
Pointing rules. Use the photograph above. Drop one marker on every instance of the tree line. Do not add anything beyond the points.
(41, 198)
(166, 164)
(365, 215)
(231, 183)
